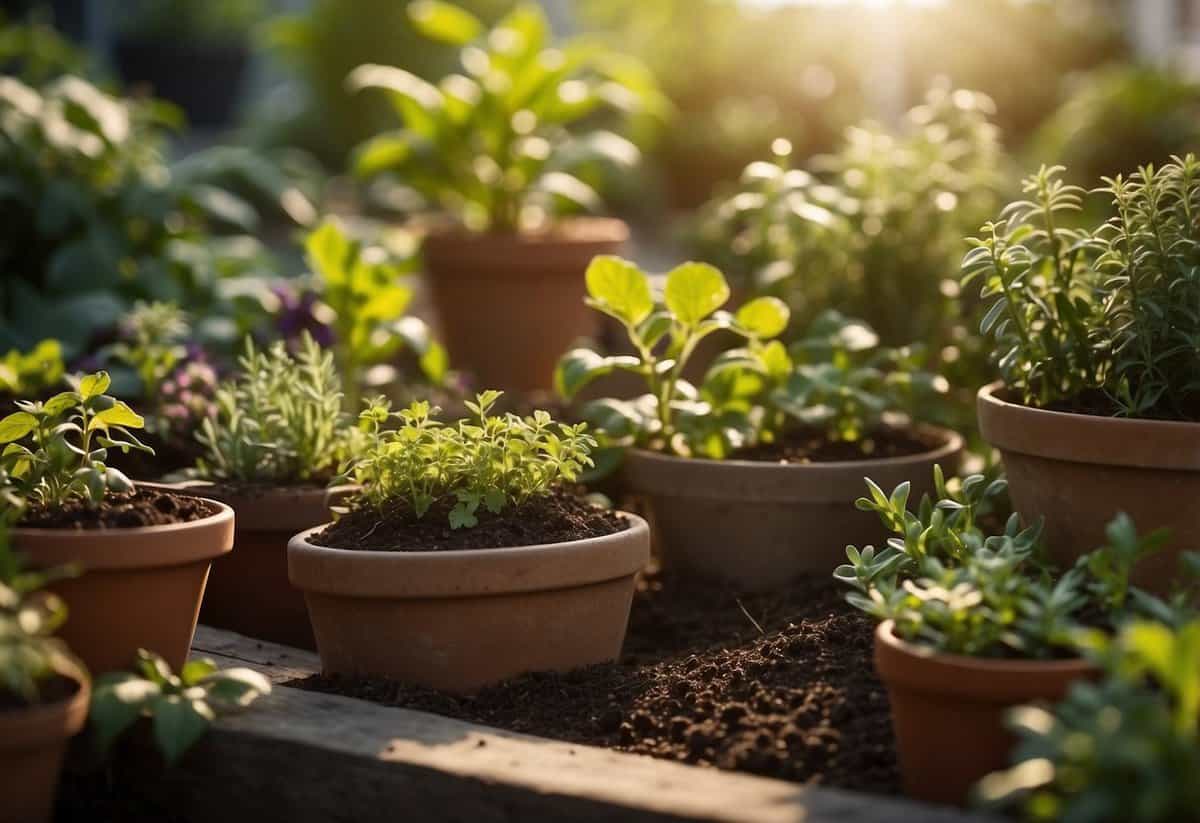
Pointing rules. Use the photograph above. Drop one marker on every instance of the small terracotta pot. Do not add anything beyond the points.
(760, 525)
(33, 742)
(948, 710)
(248, 589)
(137, 587)
(459, 620)
(509, 305)
(1077, 471)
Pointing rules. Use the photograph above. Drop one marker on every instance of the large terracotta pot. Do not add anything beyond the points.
(137, 587)
(1077, 471)
(509, 305)
(459, 620)
(760, 525)
(33, 742)
(248, 589)
(948, 710)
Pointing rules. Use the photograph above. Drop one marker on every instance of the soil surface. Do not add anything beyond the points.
(778, 684)
(142, 507)
(813, 446)
(554, 518)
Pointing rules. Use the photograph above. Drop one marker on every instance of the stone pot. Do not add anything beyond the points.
(33, 742)
(760, 525)
(460, 620)
(509, 305)
(248, 589)
(1077, 471)
(948, 710)
(137, 588)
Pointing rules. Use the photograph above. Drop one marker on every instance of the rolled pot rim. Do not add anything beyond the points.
(1086, 438)
(885, 635)
(32, 725)
(596, 230)
(223, 513)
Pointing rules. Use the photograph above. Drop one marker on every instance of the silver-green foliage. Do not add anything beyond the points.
(489, 461)
(279, 420)
(1112, 311)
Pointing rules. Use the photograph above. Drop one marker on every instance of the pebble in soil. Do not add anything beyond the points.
(700, 683)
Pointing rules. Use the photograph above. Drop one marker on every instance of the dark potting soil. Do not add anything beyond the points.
(1098, 404)
(142, 507)
(813, 446)
(554, 518)
(52, 690)
(778, 684)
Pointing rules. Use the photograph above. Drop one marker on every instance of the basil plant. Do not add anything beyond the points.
(501, 145)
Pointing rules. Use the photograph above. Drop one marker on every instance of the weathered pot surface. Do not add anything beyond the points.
(509, 305)
(459, 620)
(759, 525)
(33, 742)
(948, 710)
(1077, 471)
(248, 589)
(137, 588)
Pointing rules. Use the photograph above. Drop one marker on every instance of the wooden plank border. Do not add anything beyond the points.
(304, 756)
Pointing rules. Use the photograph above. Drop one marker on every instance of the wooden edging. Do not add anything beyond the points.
(304, 756)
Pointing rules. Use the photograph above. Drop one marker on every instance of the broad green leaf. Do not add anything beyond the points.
(195, 670)
(329, 251)
(119, 414)
(571, 188)
(417, 101)
(444, 22)
(94, 385)
(236, 687)
(117, 701)
(60, 402)
(16, 425)
(579, 367)
(694, 291)
(435, 363)
(621, 287)
(178, 723)
(382, 152)
(765, 317)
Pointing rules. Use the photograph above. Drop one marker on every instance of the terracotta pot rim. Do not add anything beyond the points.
(920, 668)
(135, 547)
(46, 722)
(267, 507)
(588, 230)
(467, 572)
(1086, 438)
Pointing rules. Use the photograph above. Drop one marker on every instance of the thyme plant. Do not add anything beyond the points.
(1101, 319)
(491, 461)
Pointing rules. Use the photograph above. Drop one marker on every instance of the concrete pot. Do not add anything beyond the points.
(137, 588)
(948, 710)
(759, 525)
(248, 589)
(1077, 471)
(509, 305)
(460, 620)
(33, 742)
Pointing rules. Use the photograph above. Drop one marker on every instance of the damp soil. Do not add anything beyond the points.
(779, 684)
(56, 689)
(1098, 404)
(142, 507)
(558, 517)
(813, 446)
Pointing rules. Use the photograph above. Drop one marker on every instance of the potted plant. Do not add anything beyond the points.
(1096, 330)
(1126, 748)
(192, 53)
(44, 690)
(749, 475)
(973, 624)
(500, 152)
(143, 554)
(276, 441)
(465, 558)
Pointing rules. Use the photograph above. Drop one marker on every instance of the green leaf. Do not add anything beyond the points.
(178, 723)
(571, 188)
(117, 701)
(60, 403)
(236, 687)
(444, 22)
(579, 367)
(764, 317)
(417, 101)
(196, 670)
(118, 415)
(329, 252)
(16, 425)
(94, 385)
(694, 291)
(621, 287)
(435, 363)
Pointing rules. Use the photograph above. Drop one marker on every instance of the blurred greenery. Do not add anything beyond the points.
(194, 20)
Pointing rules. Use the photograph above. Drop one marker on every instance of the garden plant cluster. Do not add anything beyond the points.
(979, 421)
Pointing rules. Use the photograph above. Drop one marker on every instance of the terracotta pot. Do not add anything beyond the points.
(509, 305)
(33, 742)
(948, 710)
(248, 589)
(1077, 471)
(459, 620)
(760, 525)
(138, 587)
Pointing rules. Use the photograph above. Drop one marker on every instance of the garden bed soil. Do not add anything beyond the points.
(779, 684)
(554, 518)
(814, 446)
(124, 510)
